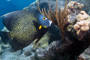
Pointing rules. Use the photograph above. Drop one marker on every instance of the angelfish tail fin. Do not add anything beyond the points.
(5, 36)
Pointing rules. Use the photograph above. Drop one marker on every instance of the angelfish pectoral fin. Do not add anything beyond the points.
(38, 39)
(36, 42)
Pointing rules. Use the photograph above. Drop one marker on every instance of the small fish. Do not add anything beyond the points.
(24, 27)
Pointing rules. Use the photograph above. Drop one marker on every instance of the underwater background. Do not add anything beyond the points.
(7, 6)
(49, 45)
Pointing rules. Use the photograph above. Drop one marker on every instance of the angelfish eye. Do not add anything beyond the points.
(44, 18)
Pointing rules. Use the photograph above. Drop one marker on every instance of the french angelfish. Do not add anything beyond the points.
(24, 27)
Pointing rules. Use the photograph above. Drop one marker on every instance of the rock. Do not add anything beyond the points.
(89, 12)
(86, 54)
(27, 51)
(44, 3)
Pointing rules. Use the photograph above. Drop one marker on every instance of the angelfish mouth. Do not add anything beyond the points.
(50, 22)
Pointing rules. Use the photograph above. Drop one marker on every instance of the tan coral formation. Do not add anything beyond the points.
(74, 8)
(73, 4)
(83, 22)
(82, 16)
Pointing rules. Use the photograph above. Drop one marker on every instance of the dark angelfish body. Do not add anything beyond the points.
(24, 28)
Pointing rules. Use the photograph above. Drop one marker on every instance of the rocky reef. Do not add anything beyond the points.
(73, 45)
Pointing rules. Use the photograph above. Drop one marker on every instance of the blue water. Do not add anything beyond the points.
(7, 6)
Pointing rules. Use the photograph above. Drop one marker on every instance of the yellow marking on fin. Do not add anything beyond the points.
(40, 27)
